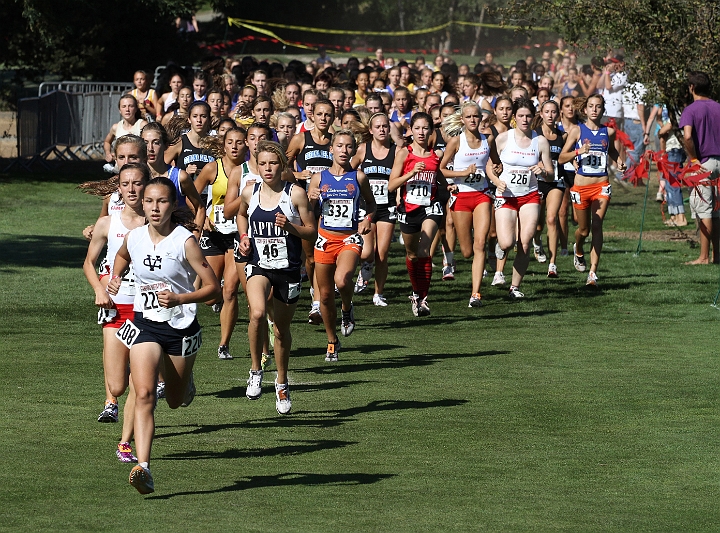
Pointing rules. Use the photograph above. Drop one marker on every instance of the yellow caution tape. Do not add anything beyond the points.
(247, 24)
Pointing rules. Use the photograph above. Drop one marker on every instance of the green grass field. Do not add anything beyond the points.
(573, 410)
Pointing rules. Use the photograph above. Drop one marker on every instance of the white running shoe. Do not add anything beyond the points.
(379, 300)
(515, 294)
(414, 304)
(254, 385)
(552, 270)
(592, 279)
(447, 273)
(499, 252)
(224, 353)
(539, 253)
(282, 398)
(423, 308)
(578, 260)
(315, 317)
(190, 391)
(347, 324)
(498, 279)
(475, 300)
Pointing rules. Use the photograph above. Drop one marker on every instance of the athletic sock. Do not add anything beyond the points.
(449, 258)
(145, 465)
(411, 267)
(423, 275)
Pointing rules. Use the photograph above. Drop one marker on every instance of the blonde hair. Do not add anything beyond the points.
(273, 148)
(347, 132)
(453, 124)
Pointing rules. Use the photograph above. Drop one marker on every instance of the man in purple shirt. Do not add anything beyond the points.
(701, 131)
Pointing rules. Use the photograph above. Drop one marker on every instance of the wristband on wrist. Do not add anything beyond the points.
(577, 152)
(368, 217)
(695, 160)
(243, 236)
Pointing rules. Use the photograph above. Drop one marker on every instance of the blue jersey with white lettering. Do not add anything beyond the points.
(594, 163)
(339, 201)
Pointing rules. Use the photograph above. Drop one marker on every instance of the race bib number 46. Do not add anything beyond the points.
(272, 252)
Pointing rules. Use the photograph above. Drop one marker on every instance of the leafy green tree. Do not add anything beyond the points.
(662, 39)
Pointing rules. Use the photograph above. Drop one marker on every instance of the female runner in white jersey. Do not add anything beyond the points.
(336, 191)
(220, 231)
(168, 99)
(131, 123)
(110, 230)
(274, 216)
(525, 157)
(590, 144)
(376, 159)
(165, 332)
(468, 154)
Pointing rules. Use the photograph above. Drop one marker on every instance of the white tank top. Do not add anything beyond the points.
(247, 176)
(115, 238)
(467, 156)
(120, 129)
(162, 267)
(516, 166)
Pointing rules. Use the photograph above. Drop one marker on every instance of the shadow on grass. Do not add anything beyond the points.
(395, 361)
(288, 479)
(298, 448)
(42, 251)
(312, 419)
(239, 391)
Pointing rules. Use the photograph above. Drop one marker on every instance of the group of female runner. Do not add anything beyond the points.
(234, 199)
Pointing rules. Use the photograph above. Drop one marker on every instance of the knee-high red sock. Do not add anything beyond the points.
(412, 273)
(423, 274)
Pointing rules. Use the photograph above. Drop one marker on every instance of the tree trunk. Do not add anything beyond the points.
(447, 45)
(478, 30)
(401, 14)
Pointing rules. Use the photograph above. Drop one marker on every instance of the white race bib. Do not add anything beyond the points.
(434, 209)
(127, 285)
(418, 192)
(477, 181)
(272, 252)
(594, 162)
(128, 333)
(150, 304)
(320, 243)
(220, 222)
(191, 345)
(518, 180)
(105, 316)
(338, 212)
(380, 191)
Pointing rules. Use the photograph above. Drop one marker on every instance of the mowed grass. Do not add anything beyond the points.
(573, 410)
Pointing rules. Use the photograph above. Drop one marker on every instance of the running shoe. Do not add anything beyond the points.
(142, 480)
(498, 279)
(499, 252)
(217, 307)
(333, 348)
(592, 279)
(423, 308)
(366, 272)
(160, 390)
(224, 352)
(110, 413)
(539, 253)
(447, 273)
(578, 260)
(315, 317)
(265, 361)
(379, 300)
(254, 385)
(360, 284)
(475, 300)
(564, 252)
(282, 398)
(189, 392)
(414, 304)
(124, 453)
(515, 294)
(347, 325)
(552, 270)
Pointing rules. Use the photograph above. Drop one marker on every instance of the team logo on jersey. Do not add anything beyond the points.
(152, 262)
(586, 141)
(350, 188)
(604, 143)
(325, 188)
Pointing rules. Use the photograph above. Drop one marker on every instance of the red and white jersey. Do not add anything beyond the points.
(516, 162)
(467, 156)
(115, 239)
